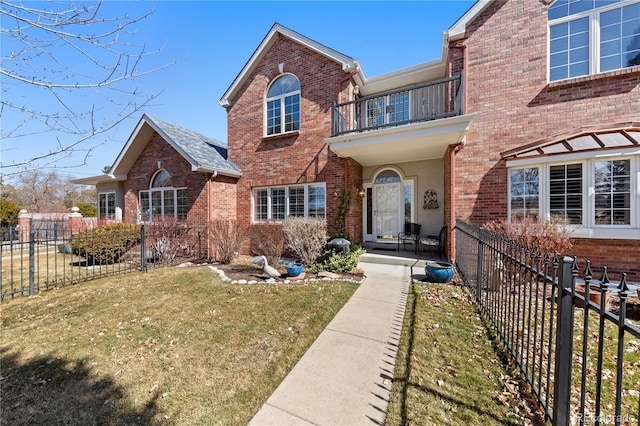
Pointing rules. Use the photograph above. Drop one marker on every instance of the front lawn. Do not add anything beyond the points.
(171, 346)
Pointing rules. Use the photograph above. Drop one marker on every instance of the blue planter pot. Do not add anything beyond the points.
(438, 272)
(294, 269)
(64, 248)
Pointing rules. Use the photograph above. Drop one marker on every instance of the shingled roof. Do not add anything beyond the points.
(205, 154)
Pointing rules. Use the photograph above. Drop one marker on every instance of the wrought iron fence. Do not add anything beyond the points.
(52, 257)
(570, 334)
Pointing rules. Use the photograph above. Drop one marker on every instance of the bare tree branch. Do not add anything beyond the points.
(69, 71)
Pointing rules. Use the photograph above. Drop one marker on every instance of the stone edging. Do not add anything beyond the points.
(225, 279)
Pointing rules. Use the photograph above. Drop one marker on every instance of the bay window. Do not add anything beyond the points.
(597, 196)
(278, 203)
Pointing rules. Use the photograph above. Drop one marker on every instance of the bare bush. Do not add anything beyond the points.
(226, 237)
(305, 236)
(546, 235)
(267, 239)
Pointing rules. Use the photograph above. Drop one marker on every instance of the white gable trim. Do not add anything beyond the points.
(348, 64)
(459, 28)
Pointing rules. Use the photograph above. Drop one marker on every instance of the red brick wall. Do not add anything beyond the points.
(505, 77)
(302, 157)
(139, 177)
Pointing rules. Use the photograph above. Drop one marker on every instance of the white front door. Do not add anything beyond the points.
(387, 210)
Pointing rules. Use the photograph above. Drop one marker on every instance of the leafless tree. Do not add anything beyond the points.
(69, 70)
(48, 191)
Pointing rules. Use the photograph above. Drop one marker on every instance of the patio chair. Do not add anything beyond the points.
(410, 235)
(433, 242)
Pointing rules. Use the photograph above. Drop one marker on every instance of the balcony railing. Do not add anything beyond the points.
(424, 102)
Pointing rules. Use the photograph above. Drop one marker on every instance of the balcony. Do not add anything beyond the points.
(424, 102)
(412, 124)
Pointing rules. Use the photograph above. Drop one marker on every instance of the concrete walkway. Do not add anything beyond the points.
(344, 378)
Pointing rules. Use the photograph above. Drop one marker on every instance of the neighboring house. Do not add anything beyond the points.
(531, 110)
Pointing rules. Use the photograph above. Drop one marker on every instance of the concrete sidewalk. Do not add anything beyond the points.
(344, 378)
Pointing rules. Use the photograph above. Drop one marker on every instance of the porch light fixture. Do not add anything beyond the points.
(361, 192)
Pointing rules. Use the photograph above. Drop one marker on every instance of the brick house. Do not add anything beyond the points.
(531, 110)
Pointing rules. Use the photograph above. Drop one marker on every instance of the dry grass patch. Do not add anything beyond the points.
(171, 346)
(447, 370)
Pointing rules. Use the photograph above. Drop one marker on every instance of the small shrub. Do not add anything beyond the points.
(305, 236)
(338, 261)
(106, 244)
(267, 239)
(9, 212)
(547, 236)
(226, 237)
(87, 210)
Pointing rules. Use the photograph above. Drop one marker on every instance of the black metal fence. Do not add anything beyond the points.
(570, 334)
(52, 257)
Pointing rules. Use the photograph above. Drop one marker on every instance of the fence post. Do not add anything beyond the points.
(32, 259)
(479, 265)
(143, 249)
(564, 343)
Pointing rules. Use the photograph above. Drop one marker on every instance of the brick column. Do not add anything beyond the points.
(76, 224)
(24, 224)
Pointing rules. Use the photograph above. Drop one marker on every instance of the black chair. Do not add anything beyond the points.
(410, 235)
(434, 242)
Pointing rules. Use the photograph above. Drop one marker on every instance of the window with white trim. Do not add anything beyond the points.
(524, 198)
(283, 105)
(278, 203)
(107, 205)
(592, 36)
(590, 193)
(162, 201)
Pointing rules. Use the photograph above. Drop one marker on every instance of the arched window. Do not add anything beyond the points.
(283, 105)
(162, 201)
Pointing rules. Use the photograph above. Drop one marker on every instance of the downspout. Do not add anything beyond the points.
(452, 159)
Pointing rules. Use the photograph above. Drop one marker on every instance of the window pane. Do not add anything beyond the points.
(260, 204)
(317, 201)
(282, 85)
(524, 193)
(620, 38)
(111, 205)
(296, 201)
(613, 192)
(169, 204)
(145, 206)
(161, 180)
(156, 205)
(181, 203)
(102, 205)
(277, 203)
(273, 117)
(292, 113)
(565, 193)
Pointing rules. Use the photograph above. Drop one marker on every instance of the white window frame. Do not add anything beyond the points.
(270, 205)
(588, 229)
(594, 36)
(147, 217)
(282, 100)
(107, 205)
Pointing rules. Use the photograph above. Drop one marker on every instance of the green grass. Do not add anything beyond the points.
(171, 346)
(447, 370)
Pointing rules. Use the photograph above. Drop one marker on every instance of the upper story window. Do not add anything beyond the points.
(283, 105)
(592, 36)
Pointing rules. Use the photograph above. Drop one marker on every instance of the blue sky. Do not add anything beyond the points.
(210, 41)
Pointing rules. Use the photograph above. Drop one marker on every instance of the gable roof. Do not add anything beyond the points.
(202, 152)
(348, 63)
(592, 138)
(459, 28)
